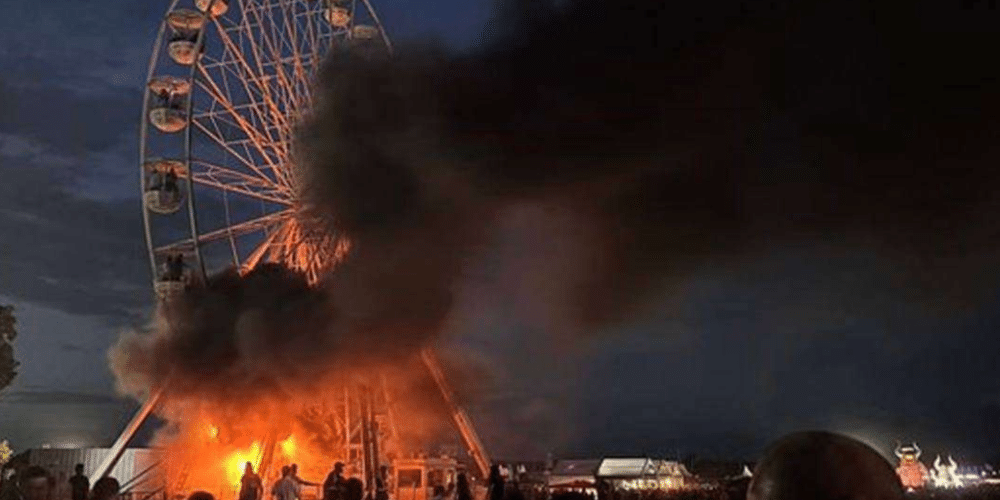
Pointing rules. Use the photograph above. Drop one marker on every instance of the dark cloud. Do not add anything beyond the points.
(65, 121)
(103, 273)
(67, 347)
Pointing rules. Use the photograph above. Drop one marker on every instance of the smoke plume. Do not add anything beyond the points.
(590, 156)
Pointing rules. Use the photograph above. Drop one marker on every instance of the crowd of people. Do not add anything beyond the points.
(37, 483)
(781, 471)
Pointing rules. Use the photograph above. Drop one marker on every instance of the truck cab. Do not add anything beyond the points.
(416, 478)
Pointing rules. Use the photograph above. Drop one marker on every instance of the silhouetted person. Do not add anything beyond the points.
(381, 484)
(495, 484)
(9, 489)
(333, 487)
(299, 482)
(462, 489)
(284, 488)
(173, 268)
(106, 488)
(201, 495)
(79, 484)
(251, 487)
(823, 466)
(513, 492)
(354, 489)
(37, 484)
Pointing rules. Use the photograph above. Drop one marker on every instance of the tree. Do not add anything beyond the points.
(5, 452)
(8, 332)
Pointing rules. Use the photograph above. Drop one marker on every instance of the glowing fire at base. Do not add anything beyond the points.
(287, 447)
(237, 460)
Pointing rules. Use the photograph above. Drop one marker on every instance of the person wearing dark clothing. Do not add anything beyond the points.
(496, 484)
(251, 486)
(513, 492)
(333, 487)
(37, 484)
(381, 486)
(106, 488)
(462, 489)
(9, 489)
(199, 495)
(354, 489)
(79, 484)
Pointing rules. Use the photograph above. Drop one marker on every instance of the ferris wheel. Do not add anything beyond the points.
(228, 81)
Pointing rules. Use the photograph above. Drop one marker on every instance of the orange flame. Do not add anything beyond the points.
(236, 462)
(288, 447)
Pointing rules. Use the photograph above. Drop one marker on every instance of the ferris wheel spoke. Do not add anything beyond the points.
(301, 78)
(242, 158)
(257, 119)
(241, 189)
(255, 50)
(272, 42)
(235, 230)
(262, 142)
(258, 253)
(226, 174)
(261, 88)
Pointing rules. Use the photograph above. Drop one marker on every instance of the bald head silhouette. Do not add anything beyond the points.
(823, 466)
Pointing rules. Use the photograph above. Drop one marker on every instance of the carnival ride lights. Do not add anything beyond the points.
(946, 475)
(912, 473)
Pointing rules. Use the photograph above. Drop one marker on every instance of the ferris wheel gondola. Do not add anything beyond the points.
(228, 81)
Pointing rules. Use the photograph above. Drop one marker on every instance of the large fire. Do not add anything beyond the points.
(211, 441)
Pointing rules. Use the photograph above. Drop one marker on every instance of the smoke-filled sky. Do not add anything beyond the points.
(661, 229)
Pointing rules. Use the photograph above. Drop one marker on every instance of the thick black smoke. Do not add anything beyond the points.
(667, 137)
(589, 156)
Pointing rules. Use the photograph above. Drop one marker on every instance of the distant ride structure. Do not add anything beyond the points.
(228, 81)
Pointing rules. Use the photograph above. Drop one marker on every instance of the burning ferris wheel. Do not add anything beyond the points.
(228, 82)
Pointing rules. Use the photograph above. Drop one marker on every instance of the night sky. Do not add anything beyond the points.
(811, 333)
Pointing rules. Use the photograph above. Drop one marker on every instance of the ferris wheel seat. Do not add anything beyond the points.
(338, 16)
(182, 51)
(168, 119)
(170, 84)
(186, 20)
(364, 32)
(219, 7)
(164, 166)
(163, 201)
(167, 289)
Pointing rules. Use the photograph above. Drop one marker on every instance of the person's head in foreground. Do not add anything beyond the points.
(201, 495)
(823, 466)
(37, 484)
(106, 488)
